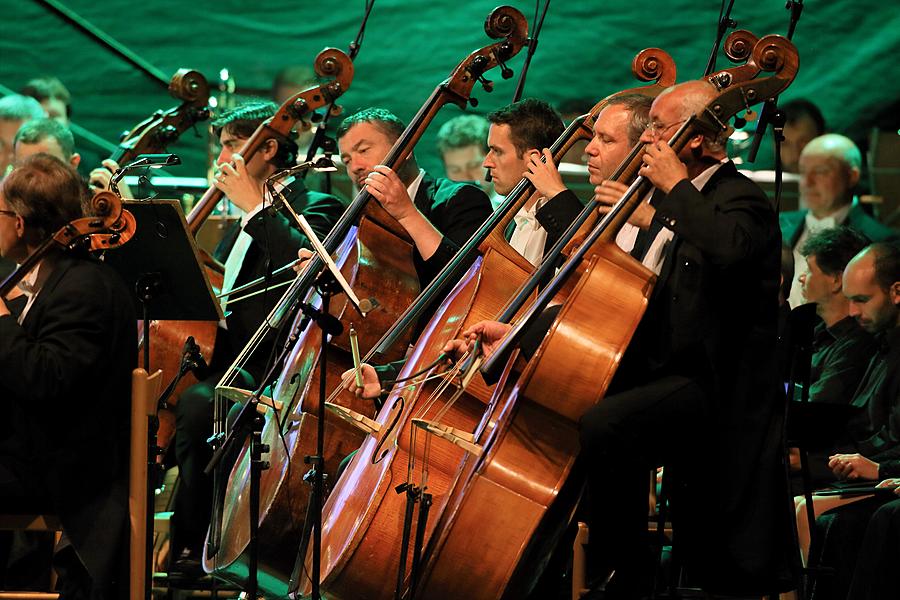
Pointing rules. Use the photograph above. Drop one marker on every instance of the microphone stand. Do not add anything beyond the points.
(320, 138)
(725, 23)
(532, 47)
(768, 112)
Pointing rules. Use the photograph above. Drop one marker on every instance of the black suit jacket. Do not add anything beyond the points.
(713, 317)
(794, 222)
(457, 210)
(65, 385)
(275, 243)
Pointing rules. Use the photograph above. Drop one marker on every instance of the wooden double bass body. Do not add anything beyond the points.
(519, 492)
(363, 517)
(375, 256)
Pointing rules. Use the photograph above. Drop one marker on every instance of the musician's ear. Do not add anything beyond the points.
(269, 149)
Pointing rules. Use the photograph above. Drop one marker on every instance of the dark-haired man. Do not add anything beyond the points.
(872, 450)
(65, 381)
(438, 214)
(259, 243)
(841, 348)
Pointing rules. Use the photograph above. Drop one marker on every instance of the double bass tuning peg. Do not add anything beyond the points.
(486, 83)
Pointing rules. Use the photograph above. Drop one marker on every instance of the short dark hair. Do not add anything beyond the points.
(639, 107)
(46, 192)
(386, 121)
(795, 110)
(532, 123)
(243, 121)
(834, 247)
(887, 263)
(37, 130)
(463, 131)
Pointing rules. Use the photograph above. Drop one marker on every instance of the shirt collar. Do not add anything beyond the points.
(703, 178)
(833, 220)
(413, 188)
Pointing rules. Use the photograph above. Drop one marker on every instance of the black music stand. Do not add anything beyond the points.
(161, 265)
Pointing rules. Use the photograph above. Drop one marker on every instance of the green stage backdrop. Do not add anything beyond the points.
(848, 52)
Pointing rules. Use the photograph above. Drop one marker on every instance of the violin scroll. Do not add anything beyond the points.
(189, 86)
(506, 22)
(334, 63)
(739, 45)
(773, 51)
(654, 64)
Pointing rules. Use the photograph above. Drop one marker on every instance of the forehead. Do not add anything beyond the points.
(859, 277)
(464, 154)
(500, 135)
(613, 120)
(48, 145)
(365, 131)
(229, 137)
(820, 159)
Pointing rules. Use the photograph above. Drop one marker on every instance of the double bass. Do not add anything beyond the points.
(375, 255)
(363, 497)
(363, 512)
(169, 336)
(517, 494)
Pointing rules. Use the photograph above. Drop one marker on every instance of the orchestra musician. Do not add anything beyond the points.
(259, 243)
(66, 357)
(698, 386)
(438, 214)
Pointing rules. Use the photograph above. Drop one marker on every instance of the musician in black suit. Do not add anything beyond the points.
(697, 388)
(617, 130)
(829, 171)
(65, 379)
(261, 242)
(438, 214)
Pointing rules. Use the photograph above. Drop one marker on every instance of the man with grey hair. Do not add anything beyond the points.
(14, 111)
(617, 129)
(829, 170)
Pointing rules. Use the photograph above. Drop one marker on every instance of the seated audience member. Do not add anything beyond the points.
(872, 451)
(66, 358)
(803, 122)
(53, 96)
(876, 576)
(829, 171)
(841, 347)
(462, 143)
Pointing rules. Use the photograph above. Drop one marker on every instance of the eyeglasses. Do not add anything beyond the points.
(9, 213)
(659, 129)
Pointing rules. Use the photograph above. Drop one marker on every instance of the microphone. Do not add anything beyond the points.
(487, 175)
(143, 160)
(153, 160)
(320, 164)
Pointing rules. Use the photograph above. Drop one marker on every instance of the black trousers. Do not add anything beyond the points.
(193, 427)
(876, 575)
(622, 438)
